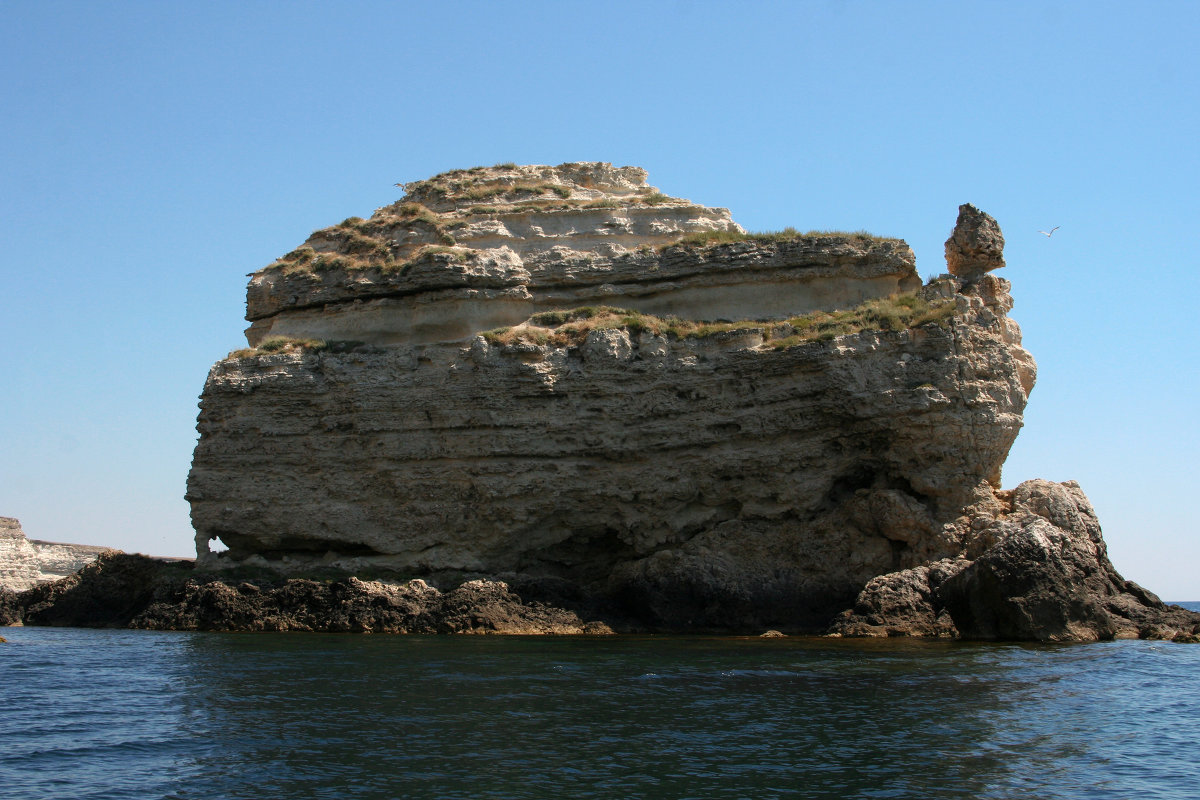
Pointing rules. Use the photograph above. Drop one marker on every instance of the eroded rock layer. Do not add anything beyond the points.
(476, 249)
(27, 562)
(688, 476)
(620, 403)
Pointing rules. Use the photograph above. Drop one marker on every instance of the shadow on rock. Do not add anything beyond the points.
(1041, 573)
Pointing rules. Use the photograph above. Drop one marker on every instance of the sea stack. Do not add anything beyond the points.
(619, 401)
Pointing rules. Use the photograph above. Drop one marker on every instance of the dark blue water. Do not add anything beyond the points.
(131, 714)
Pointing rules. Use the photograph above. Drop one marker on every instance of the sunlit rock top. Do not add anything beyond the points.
(469, 250)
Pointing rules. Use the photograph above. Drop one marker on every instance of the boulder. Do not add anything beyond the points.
(976, 246)
(1039, 571)
(1046, 577)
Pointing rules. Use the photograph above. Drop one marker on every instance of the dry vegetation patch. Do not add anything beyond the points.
(293, 344)
(710, 238)
(569, 328)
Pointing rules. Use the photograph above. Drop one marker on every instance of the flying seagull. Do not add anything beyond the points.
(1050, 233)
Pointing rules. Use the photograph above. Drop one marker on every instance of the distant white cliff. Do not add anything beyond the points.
(25, 563)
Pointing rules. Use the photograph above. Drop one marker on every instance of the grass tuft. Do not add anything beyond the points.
(710, 238)
(280, 344)
(570, 327)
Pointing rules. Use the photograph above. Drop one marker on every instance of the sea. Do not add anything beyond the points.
(140, 714)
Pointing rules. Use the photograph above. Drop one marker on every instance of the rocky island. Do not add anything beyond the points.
(561, 393)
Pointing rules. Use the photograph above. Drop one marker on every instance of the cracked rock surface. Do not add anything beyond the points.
(727, 452)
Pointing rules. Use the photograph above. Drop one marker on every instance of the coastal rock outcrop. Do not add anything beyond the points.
(629, 406)
(10, 607)
(135, 591)
(470, 250)
(1035, 567)
(689, 472)
(976, 246)
(28, 562)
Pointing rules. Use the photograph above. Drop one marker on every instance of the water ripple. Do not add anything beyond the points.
(122, 714)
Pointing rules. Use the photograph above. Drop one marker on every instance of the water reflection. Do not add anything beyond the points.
(119, 714)
(628, 717)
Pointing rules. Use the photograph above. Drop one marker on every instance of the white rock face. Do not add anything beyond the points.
(477, 249)
(25, 563)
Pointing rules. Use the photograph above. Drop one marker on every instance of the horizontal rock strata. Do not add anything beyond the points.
(27, 562)
(472, 250)
(745, 475)
(627, 406)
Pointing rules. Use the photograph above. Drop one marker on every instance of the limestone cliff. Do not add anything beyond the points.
(697, 476)
(25, 563)
(476, 249)
(613, 399)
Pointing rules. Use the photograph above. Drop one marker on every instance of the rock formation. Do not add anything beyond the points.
(976, 245)
(25, 562)
(476, 249)
(1034, 567)
(135, 591)
(622, 403)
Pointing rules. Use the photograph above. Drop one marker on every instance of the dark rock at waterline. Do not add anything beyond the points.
(353, 605)
(1033, 567)
(10, 608)
(1041, 573)
(108, 593)
(901, 603)
(1047, 577)
(141, 592)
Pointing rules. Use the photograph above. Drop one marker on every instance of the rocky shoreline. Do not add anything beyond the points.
(553, 400)
(1040, 573)
(136, 591)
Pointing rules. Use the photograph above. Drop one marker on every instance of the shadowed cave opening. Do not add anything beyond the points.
(239, 546)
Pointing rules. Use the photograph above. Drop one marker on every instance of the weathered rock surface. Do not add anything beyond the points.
(25, 562)
(1035, 568)
(661, 473)
(133, 591)
(751, 478)
(976, 246)
(902, 603)
(10, 607)
(708, 483)
(476, 249)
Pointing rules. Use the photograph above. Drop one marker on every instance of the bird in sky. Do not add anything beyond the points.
(1050, 233)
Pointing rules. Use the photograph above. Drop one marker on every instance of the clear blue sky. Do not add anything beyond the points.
(154, 153)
